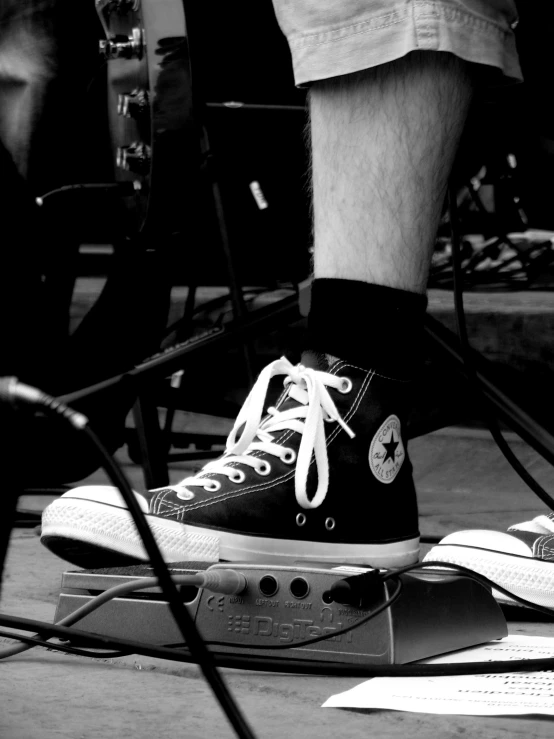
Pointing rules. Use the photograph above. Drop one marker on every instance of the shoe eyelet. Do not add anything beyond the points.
(185, 495)
(330, 524)
(300, 519)
(345, 385)
(237, 476)
(289, 456)
(264, 468)
(212, 486)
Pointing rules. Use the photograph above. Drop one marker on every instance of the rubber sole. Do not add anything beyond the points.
(76, 529)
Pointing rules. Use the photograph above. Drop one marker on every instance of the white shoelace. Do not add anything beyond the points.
(309, 388)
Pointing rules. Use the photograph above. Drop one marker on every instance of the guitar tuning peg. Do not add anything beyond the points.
(123, 47)
(134, 158)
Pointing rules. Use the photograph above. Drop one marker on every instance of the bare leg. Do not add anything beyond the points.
(383, 144)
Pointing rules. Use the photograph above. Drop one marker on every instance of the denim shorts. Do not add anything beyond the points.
(330, 38)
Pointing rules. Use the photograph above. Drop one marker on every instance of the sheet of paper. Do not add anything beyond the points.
(515, 693)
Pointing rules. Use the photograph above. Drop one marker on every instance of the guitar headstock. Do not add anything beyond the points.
(145, 40)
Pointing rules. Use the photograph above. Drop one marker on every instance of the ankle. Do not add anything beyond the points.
(373, 326)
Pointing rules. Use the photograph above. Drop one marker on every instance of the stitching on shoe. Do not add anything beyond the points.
(355, 403)
(160, 501)
(543, 543)
(237, 493)
(540, 542)
(341, 365)
(231, 495)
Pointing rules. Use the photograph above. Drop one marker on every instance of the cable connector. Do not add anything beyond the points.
(229, 582)
(12, 391)
(358, 591)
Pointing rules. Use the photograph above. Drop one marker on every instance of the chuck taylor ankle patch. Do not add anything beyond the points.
(386, 453)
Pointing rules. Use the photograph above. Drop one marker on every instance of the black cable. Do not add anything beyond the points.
(36, 641)
(249, 664)
(12, 390)
(95, 640)
(283, 664)
(182, 617)
(344, 669)
(170, 593)
(124, 189)
(395, 574)
(471, 373)
(139, 584)
(483, 579)
(142, 583)
(229, 581)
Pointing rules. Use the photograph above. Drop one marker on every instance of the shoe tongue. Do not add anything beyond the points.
(543, 524)
(527, 536)
(317, 360)
(314, 360)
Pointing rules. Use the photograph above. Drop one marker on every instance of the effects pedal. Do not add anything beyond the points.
(436, 612)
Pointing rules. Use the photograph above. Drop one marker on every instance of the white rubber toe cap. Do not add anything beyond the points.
(496, 541)
(106, 494)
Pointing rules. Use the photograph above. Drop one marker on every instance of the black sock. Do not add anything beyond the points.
(374, 326)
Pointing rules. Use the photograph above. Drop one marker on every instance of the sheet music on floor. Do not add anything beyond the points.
(515, 693)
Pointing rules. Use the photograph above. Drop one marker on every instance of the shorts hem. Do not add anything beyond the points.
(424, 25)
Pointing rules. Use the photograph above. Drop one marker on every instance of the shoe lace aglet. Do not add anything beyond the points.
(345, 426)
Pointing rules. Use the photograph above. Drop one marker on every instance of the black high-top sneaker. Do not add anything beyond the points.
(324, 476)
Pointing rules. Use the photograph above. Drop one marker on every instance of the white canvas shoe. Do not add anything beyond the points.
(520, 559)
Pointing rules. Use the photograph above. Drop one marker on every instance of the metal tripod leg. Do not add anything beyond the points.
(12, 485)
(153, 452)
(529, 429)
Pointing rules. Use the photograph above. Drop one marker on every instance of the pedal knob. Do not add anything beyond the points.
(123, 47)
(133, 104)
(134, 158)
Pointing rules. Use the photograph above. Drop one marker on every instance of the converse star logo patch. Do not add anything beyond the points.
(386, 452)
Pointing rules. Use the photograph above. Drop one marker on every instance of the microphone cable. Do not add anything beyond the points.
(179, 653)
(123, 189)
(13, 391)
(471, 372)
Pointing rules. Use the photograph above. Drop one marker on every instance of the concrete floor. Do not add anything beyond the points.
(462, 482)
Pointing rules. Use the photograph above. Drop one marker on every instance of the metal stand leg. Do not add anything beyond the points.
(12, 443)
(237, 298)
(151, 444)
